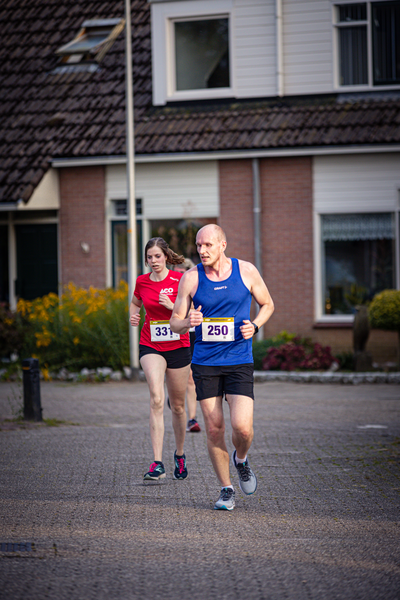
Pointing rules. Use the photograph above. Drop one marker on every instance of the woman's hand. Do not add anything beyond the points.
(165, 301)
(135, 320)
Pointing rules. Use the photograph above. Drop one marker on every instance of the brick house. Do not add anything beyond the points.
(278, 119)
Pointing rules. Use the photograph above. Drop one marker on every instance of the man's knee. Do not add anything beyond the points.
(243, 431)
(215, 431)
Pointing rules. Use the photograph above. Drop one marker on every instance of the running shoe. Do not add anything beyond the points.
(247, 479)
(192, 425)
(155, 472)
(226, 500)
(180, 471)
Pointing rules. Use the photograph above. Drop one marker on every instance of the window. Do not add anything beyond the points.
(119, 240)
(93, 41)
(358, 259)
(192, 50)
(201, 54)
(368, 43)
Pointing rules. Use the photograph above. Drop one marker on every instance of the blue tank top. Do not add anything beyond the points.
(223, 299)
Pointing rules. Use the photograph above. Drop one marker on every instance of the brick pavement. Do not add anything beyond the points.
(324, 523)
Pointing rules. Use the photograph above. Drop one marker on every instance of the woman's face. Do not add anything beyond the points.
(156, 259)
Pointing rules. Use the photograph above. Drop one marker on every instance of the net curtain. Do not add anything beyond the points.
(374, 226)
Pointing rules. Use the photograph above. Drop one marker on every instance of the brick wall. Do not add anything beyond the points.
(236, 207)
(287, 242)
(82, 219)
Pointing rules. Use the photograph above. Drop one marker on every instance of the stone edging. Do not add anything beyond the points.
(326, 377)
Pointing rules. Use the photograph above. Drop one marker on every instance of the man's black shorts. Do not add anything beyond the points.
(176, 359)
(217, 381)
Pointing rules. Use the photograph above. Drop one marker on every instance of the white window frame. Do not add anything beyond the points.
(335, 49)
(163, 17)
(320, 316)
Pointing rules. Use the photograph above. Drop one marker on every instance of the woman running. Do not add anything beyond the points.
(161, 352)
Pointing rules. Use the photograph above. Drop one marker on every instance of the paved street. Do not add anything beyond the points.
(324, 523)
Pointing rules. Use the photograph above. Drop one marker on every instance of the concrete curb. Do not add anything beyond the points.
(326, 377)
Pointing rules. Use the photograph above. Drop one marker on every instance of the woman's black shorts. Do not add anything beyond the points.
(176, 359)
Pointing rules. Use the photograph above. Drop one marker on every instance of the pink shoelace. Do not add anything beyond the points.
(153, 466)
(181, 463)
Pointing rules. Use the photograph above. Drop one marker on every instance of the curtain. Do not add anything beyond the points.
(375, 226)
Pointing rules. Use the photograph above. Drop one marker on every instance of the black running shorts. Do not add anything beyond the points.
(176, 359)
(217, 381)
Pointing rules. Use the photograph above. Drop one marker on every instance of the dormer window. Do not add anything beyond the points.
(92, 42)
(201, 54)
(192, 50)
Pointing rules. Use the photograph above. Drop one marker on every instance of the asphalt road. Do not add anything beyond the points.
(77, 521)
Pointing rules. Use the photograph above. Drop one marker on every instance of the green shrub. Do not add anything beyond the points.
(384, 313)
(384, 310)
(86, 328)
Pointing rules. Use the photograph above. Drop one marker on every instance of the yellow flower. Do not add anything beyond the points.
(76, 340)
(8, 321)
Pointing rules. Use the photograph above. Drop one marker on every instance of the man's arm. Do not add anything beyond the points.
(261, 295)
(183, 318)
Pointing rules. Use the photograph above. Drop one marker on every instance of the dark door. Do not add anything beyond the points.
(37, 273)
(4, 263)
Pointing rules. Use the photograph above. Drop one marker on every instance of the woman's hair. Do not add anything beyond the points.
(188, 264)
(172, 257)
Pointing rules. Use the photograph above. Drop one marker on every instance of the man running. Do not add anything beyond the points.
(221, 290)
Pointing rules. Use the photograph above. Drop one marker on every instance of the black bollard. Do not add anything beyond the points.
(31, 381)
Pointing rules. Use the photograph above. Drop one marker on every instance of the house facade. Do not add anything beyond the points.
(278, 119)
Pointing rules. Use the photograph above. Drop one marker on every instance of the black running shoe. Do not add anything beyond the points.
(180, 471)
(155, 472)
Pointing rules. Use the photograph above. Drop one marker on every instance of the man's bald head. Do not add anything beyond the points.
(215, 231)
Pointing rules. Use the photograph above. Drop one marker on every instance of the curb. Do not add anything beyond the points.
(326, 377)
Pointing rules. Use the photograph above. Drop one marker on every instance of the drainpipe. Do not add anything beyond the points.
(257, 224)
(279, 48)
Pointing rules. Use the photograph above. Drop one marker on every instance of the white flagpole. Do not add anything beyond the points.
(130, 173)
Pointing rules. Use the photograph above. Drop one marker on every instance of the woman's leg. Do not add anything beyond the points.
(154, 367)
(191, 397)
(176, 383)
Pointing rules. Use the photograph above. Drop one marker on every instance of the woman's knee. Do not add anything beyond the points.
(157, 402)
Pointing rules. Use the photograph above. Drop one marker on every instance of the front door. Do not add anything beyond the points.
(37, 272)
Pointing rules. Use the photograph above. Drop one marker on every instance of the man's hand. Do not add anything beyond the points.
(195, 317)
(247, 329)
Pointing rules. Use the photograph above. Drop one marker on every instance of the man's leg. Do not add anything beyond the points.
(215, 431)
(241, 409)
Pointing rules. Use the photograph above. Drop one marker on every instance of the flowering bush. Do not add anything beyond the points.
(298, 355)
(85, 328)
(12, 332)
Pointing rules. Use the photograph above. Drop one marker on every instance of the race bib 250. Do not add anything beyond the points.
(218, 330)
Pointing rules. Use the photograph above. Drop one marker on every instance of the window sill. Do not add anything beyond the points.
(208, 94)
(334, 324)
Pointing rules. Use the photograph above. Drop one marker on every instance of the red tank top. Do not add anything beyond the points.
(148, 292)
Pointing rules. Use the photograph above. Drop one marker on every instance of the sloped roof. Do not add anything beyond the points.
(46, 113)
